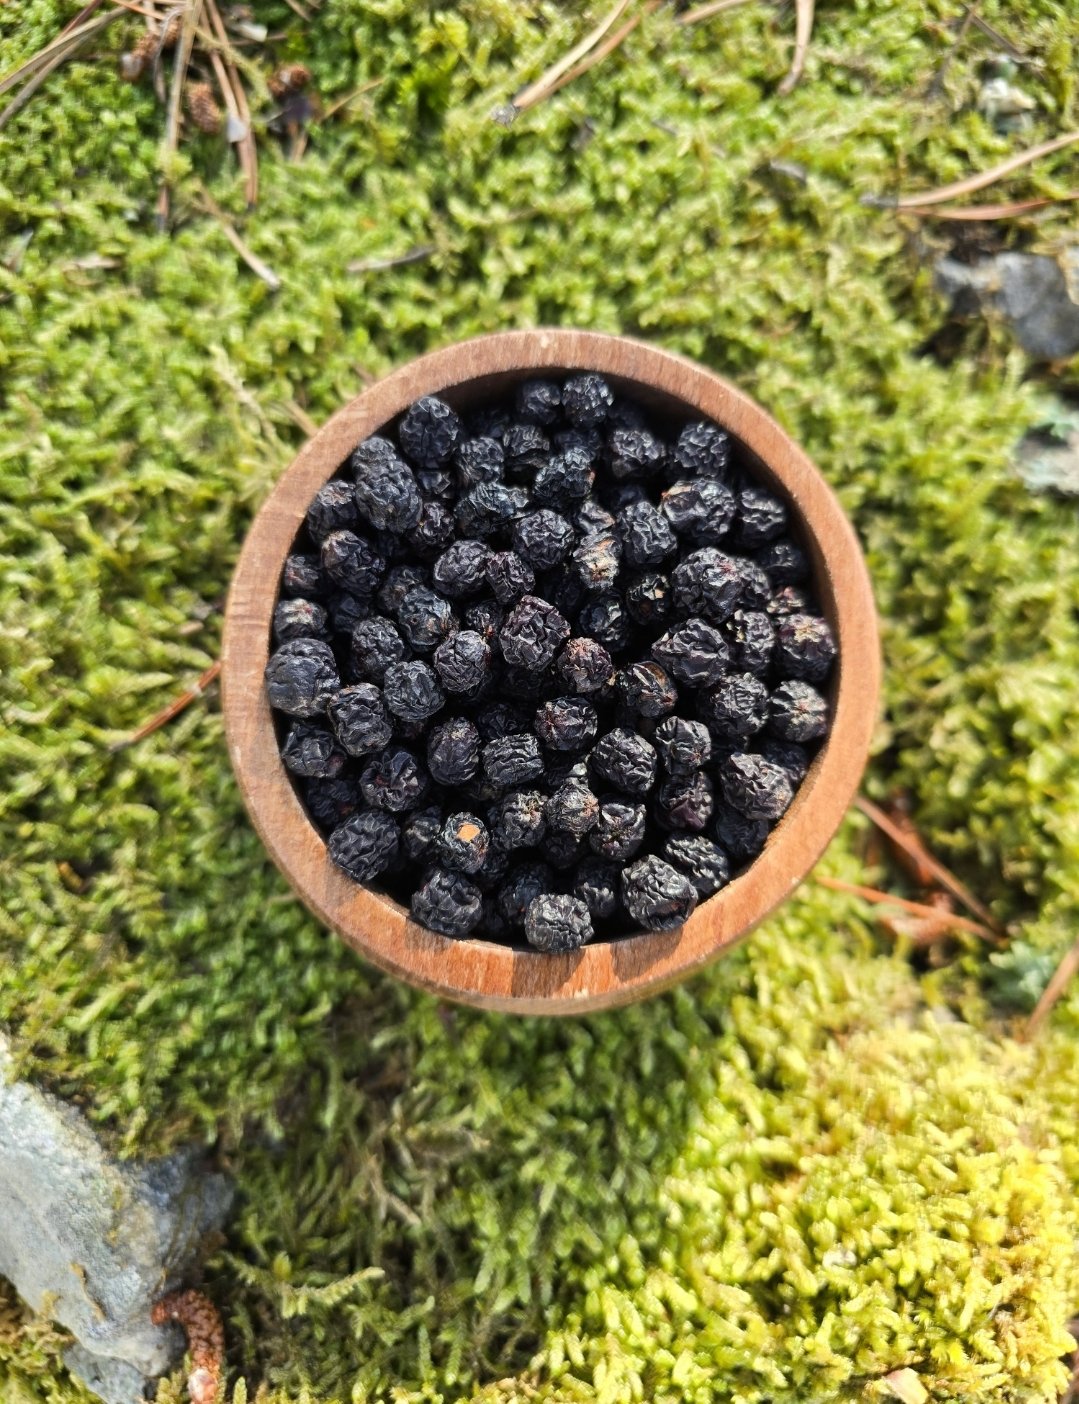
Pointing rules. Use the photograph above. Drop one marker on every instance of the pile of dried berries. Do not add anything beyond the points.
(545, 671)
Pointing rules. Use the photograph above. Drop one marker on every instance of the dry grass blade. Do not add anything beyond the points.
(607, 47)
(184, 45)
(988, 212)
(1061, 979)
(337, 105)
(36, 70)
(256, 265)
(81, 18)
(174, 709)
(542, 87)
(947, 920)
(969, 184)
(935, 86)
(803, 31)
(934, 867)
(703, 12)
(376, 265)
(246, 145)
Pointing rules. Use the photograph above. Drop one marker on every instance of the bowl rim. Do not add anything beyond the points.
(606, 973)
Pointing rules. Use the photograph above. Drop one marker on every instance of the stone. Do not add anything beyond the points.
(92, 1241)
(1038, 297)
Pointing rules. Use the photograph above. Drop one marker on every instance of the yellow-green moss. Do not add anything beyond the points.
(638, 1204)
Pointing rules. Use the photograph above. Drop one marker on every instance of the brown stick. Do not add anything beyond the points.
(246, 148)
(802, 33)
(703, 12)
(256, 265)
(607, 47)
(172, 121)
(921, 909)
(969, 184)
(537, 91)
(934, 867)
(175, 707)
(988, 212)
(1061, 978)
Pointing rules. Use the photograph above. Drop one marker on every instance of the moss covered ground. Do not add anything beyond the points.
(818, 1163)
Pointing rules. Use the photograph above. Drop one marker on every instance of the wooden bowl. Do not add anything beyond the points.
(606, 973)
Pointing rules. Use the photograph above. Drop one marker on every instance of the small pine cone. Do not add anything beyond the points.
(204, 111)
(135, 63)
(293, 78)
(171, 32)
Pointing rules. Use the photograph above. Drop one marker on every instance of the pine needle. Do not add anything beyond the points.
(607, 47)
(987, 212)
(949, 920)
(175, 707)
(1061, 978)
(802, 33)
(704, 12)
(543, 86)
(256, 265)
(969, 184)
(41, 66)
(245, 147)
(184, 45)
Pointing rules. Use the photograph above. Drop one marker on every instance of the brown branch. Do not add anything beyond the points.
(256, 265)
(201, 1322)
(969, 184)
(931, 866)
(949, 920)
(988, 212)
(607, 47)
(703, 12)
(542, 87)
(802, 33)
(175, 707)
(1061, 978)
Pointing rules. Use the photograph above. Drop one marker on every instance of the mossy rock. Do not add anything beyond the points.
(813, 1166)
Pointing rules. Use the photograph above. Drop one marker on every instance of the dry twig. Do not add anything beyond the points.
(802, 33)
(988, 212)
(703, 12)
(175, 707)
(607, 47)
(201, 1322)
(245, 145)
(172, 120)
(948, 921)
(256, 265)
(543, 86)
(1061, 978)
(37, 69)
(376, 265)
(969, 184)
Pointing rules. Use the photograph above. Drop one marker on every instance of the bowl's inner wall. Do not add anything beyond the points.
(668, 415)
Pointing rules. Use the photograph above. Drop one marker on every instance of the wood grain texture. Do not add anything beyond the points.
(607, 973)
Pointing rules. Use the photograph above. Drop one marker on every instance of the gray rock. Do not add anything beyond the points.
(91, 1241)
(1037, 296)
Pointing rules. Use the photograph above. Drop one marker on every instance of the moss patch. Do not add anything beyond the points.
(637, 1205)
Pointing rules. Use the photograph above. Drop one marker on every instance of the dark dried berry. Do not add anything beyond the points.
(620, 829)
(333, 508)
(635, 453)
(453, 752)
(387, 497)
(563, 851)
(761, 517)
(605, 619)
(804, 648)
(330, 801)
(425, 619)
(400, 581)
(463, 662)
(756, 587)
(490, 509)
(412, 691)
(513, 760)
(526, 449)
(491, 421)
(542, 538)
(708, 583)
(370, 453)
(527, 684)
(794, 759)
(299, 619)
(586, 665)
(557, 923)
(538, 401)
(394, 780)
(492, 925)
(736, 708)
(646, 688)
(448, 903)
(791, 599)
(657, 896)
(597, 560)
(591, 516)
(346, 611)
(353, 562)
(419, 834)
(518, 820)
(358, 716)
(302, 575)
(625, 760)
(699, 509)
(619, 496)
(754, 786)
(375, 645)
(564, 480)
(586, 400)
(365, 845)
(647, 539)
(479, 460)
(463, 843)
(563, 589)
(485, 618)
(301, 677)
(751, 635)
(797, 712)
(737, 835)
(682, 746)
(588, 441)
(429, 432)
(702, 861)
(648, 599)
(694, 653)
(598, 885)
(702, 451)
(437, 485)
(312, 751)
(433, 532)
(525, 883)
(500, 719)
(573, 808)
(459, 571)
(566, 723)
(685, 802)
(508, 576)
(532, 634)
(783, 563)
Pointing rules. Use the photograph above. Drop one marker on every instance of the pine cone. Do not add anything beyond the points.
(135, 63)
(171, 32)
(293, 78)
(204, 111)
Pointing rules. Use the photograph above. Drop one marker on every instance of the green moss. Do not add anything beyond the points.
(637, 1205)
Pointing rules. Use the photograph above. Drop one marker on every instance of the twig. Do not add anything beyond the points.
(83, 15)
(336, 107)
(988, 212)
(968, 185)
(802, 32)
(999, 39)
(935, 86)
(175, 707)
(205, 1339)
(607, 47)
(703, 12)
(35, 71)
(535, 92)
(917, 851)
(921, 909)
(256, 265)
(376, 265)
(1059, 982)
(172, 120)
(246, 148)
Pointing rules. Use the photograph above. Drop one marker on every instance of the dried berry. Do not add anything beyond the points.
(508, 576)
(566, 723)
(299, 619)
(761, 517)
(485, 618)
(479, 460)
(751, 635)
(524, 884)
(736, 708)
(646, 688)
(394, 780)
(433, 532)
(448, 903)
(708, 583)
(791, 599)
(500, 719)
(596, 561)
(586, 665)
(429, 433)
(490, 509)
(463, 662)
(635, 453)
(647, 539)
(625, 760)
(797, 712)
(412, 692)
(564, 480)
(794, 759)
(783, 563)
(557, 923)
(365, 845)
(513, 760)
(425, 619)
(682, 746)
(699, 509)
(685, 802)
(694, 652)
(358, 716)
(573, 808)
(353, 562)
(739, 836)
(387, 497)
(370, 453)
(400, 581)
(754, 786)
(605, 619)
(375, 645)
(330, 801)
(311, 750)
(459, 571)
(453, 752)
(598, 886)
(702, 451)
(301, 677)
(538, 401)
(526, 449)
(619, 831)
(333, 508)
(702, 861)
(302, 575)
(532, 634)
(419, 834)
(648, 599)
(518, 820)
(463, 843)
(346, 611)
(657, 896)
(586, 400)
(804, 647)
(542, 539)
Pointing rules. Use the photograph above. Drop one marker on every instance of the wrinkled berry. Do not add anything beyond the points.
(387, 497)
(448, 903)
(646, 688)
(573, 807)
(635, 453)
(301, 677)
(538, 401)
(425, 619)
(358, 716)
(566, 723)
(533, 633)
(804, 647)
(657, 896)
(459, 571)
(375, 645)
(479, 460)
(463, 843)
(699, 509)
(754, 786)
(625, 760)
(797, 712)
(702, 861)
(365, 845)
(702, 451)
(685, 802)
(518, 820)
(508, 576)
(394, 780)
(352, 562)
(463, 662)
(598, 886)
(556, 923)
(694, 653)
(299, 619)
(333, 508)
(429, 432)
(542, 539)
(682, 746)
(736, 708)
(453, 752)
(586, 665)
(524, 884)
(586, 400)
(513, 760)
(619, 831)
(312, 751)
(412, 692)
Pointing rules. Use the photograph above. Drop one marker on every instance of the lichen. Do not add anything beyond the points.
(785, 1180)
